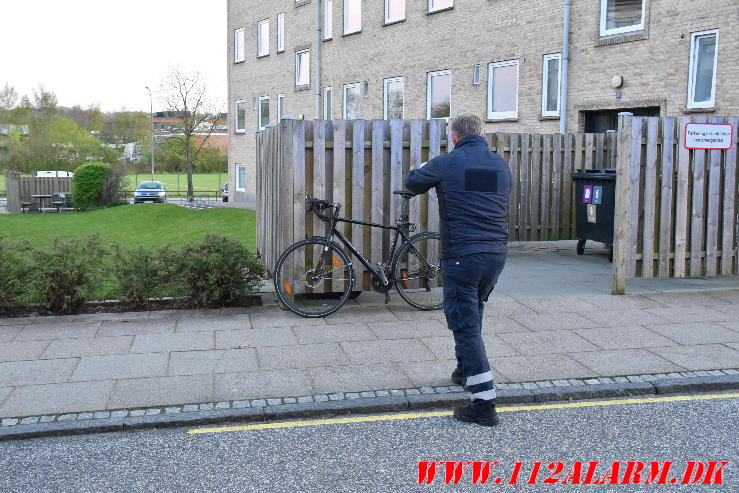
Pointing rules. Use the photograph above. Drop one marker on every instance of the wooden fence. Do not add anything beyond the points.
(676, 209)
(300, 157)
(20, 189)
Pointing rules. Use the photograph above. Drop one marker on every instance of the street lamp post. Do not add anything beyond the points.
(151, 113)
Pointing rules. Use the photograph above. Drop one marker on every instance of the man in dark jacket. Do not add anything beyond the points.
(473, 185)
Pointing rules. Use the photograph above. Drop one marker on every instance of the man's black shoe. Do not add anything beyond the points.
(457, 377)
(486, 416)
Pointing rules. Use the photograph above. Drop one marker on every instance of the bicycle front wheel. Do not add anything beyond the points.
(416, 269)
(313, 279)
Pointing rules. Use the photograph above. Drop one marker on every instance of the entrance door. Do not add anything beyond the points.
(601, 121)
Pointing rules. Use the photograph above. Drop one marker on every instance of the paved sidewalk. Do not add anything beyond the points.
(533, 332)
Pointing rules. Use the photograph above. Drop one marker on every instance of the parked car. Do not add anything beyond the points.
(150, 191)
(54, 174)
(224, 195)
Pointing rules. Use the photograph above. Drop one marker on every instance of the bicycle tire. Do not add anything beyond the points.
(300, 292)
(426, 294)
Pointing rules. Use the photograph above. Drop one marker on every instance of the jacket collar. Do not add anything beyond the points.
(471, 139)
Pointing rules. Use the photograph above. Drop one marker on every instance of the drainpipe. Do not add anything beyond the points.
(565, 67)
(317, 62)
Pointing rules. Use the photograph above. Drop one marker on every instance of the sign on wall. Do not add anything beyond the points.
(709, 136)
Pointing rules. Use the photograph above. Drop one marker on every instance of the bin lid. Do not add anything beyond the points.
(600, 174)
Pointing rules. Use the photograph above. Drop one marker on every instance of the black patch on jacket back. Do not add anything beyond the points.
(481, 180)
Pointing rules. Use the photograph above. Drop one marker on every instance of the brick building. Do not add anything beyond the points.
(501, 59)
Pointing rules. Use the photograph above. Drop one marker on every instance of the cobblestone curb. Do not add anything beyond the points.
(324, 405)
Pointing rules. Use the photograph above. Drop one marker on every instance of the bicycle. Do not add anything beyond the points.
(315, 277)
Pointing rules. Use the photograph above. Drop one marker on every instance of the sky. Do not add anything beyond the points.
(106, 53)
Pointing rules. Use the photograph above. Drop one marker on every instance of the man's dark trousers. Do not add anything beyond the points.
(468, 281)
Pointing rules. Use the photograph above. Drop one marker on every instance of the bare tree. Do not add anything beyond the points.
(8, 97)
(185, 95)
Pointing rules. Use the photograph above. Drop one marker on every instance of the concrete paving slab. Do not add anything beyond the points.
(623, 317)
(733, 345)
(555, 321)
(97, 346)
(407, 313)
(387, 351)
(213, 323)
(23, 350)
(686, 298)
(625, 362)
(609, 302)
(142, 392)
(502, 325)
(302, 356)
(694, 314)
(547, 342)
(410, 329)
(262, 384)
(697, 333)
(4, 393)
(362, 314)
(729, 295)
(630, 337)
(274, 317)
(160, 343)
(36, 372)
(443, 347)
(8, 332)
(540, 367)
(208, 362)
(701, 357)
(436, 373)
(277, 336)
(501, 309)
(61, 330)
(559, 304)
(334, 333)
(136, 327)
(120, 366)
(730, 309)
(358, 378)
(57, 398)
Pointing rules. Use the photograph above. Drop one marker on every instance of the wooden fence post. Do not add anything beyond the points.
(622, 240)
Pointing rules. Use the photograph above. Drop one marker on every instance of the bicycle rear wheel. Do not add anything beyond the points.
(416, 269)
(312, 280)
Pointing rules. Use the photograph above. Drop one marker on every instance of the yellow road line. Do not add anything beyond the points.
(436, 414)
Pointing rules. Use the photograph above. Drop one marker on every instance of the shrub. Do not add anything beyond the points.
(217, 271)
(88, 184)
(141, 274)
(15, 271)
(68, 274)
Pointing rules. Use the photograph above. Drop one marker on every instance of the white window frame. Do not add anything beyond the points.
(358, 85)
(346, 18)
(428, 92)
(620, 30)
(280, 107)
(328, 19)
(693, 66)
(262, 43)
(385, 94)
(236, 178)
(437, 9)
(236, 116)
(280, 32)
(259, 112)
(389, 20)
(545, 84)
(502, 115)
(239, 45)
(328, 111)
(297, 68)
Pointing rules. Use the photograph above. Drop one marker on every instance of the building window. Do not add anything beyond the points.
(280, 33)
(302, 68)
(240, 178)
(439, 94)
(328, 96)
(621, 16)
(435, 5)
(239, 45)
(240, 109)
(551, 84)
(280, 107)
(394, 94)
(352, 101)
(263, 38)
(503, 90)
(352, 16)
(703, 63)
(263, 112)
(328, 19)
(394, 11)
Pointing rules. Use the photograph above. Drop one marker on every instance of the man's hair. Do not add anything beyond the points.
(466, 124)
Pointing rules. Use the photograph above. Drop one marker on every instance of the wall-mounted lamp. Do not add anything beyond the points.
(476, 75)
(617, 81)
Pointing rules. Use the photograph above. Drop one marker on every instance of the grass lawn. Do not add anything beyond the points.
(200, 181)
(149, 225)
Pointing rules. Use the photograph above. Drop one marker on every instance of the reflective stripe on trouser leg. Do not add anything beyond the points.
(480, 378)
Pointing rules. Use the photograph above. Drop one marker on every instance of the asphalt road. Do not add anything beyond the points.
(383, 455)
